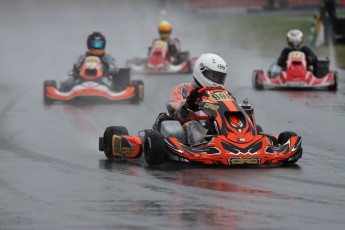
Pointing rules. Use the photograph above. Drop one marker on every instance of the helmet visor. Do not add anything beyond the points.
(98, 45)
(295, 44)
(164, 32)
(215, 76)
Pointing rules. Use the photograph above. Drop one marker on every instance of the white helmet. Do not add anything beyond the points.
(210, 70)
(295, 38)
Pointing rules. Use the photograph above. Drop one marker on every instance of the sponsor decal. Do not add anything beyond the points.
(118, 149)
(220, 66)
(244, 161)
(211, 106)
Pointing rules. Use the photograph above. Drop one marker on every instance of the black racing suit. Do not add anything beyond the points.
(310, 56)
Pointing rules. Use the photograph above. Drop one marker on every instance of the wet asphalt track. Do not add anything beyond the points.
(52, 175)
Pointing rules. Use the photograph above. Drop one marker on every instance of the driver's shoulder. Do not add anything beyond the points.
(306, 49)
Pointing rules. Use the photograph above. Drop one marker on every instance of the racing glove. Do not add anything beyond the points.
(191, 99)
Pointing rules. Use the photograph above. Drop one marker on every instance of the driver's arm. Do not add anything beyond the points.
(77, 65)
(178, 97)
(109, 61)
(311, 57)
(283, 57)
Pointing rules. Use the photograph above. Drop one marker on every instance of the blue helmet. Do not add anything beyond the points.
(96, 43)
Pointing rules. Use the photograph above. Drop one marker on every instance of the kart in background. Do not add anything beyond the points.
(297, 75)
(233, 137)
(159, 61)
(92, 84)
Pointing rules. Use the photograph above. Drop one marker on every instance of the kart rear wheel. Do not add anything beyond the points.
(257, 83)
(139, 91)
(154, 152)
(122, 79)
(336, 80)
(106, 144)
(48, 100)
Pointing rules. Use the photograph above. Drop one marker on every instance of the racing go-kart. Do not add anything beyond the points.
(297, 75)
(233, 138)
(92, 83)
(159, 61)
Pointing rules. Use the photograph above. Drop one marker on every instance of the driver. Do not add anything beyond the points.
(210, 70)
(295, 43)
(164, 30)
(95, 47)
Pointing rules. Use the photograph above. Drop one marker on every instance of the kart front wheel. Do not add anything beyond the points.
(282, 139)
(285, 136)
(48, 83)
(154, 152)
(105, 143)
(257, 83)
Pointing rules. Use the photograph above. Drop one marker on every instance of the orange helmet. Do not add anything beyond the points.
(164, 30)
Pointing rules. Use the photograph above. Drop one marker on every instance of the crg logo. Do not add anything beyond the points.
(244, 161)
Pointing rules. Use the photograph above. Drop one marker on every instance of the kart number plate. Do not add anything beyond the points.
(296, 84)
(221, 96)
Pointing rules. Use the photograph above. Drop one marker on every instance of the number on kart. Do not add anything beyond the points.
(160, 44)
(221, 96)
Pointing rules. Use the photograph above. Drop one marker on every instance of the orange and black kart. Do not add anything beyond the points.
(233, 138)
(92, 84)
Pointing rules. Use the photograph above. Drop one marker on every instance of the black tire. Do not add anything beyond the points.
(336, 81)
(256, 81)
(139, 91)
(154, 148)
(282, 139)
(285, 136)
(108, 136)
(122, 79)
(47, 100)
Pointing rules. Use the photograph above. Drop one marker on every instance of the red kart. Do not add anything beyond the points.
(159, 61)
(297, 75)
(233, 138)
(92, 84)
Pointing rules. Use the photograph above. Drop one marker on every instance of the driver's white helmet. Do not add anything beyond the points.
(210, 70)
(295, 39)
